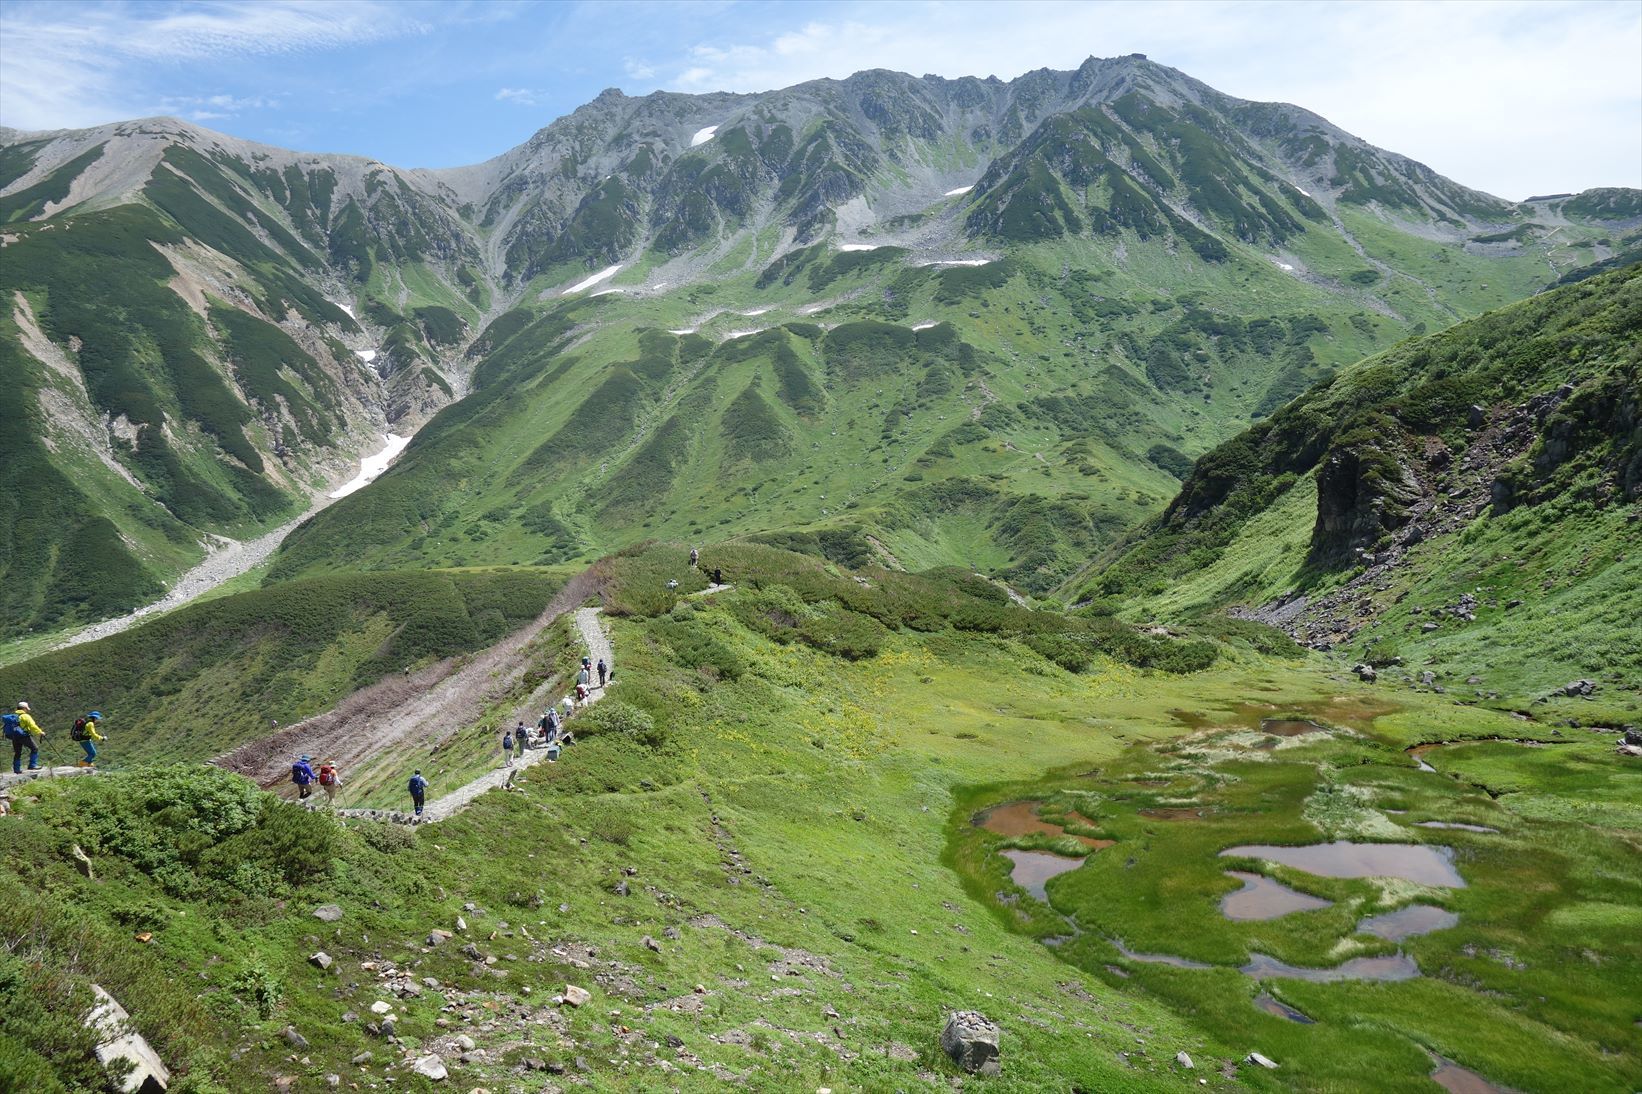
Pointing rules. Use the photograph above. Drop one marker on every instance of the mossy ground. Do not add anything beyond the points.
(1534, 987)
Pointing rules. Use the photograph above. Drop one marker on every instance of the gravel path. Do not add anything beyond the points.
(226, 561)
(597, 644)
(419, 707)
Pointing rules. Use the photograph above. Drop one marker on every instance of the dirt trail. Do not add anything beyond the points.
(417, 707)
(597, 644)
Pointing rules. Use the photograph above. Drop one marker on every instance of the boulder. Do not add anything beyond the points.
(1183, 1060)
(1578, 688)
(294, 1038)
(328, 913)
(362, 1058)
(82, 861)
(431, 1067)
(1263, 1061)
(971, 1040)
(464, 1042)
(381, 1007)
(1365, 672)
(437, 936)
(650, 944)
(1633, 736)
(577, 997)
(320, 960)
(119, 1043)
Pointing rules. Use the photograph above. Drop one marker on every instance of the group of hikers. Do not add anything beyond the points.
(26, 735)
(550, 733)
(327, 777)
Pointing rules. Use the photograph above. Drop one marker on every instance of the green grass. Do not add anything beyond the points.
(200, 680)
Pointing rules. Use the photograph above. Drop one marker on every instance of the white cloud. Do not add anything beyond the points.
(519, 96)
(1509, 96)
(75, 71)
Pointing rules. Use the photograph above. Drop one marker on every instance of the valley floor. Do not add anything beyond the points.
(760, 864)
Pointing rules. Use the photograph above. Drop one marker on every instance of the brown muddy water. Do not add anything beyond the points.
(1419, 863)
(1290, 727)
(1270, 1005)
(1262, 898)
(1016, 819)
(1033, 869)
(1409, 922)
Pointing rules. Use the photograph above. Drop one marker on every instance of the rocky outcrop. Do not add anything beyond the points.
(1367, 486)
(971, 1040)
(148, 1074)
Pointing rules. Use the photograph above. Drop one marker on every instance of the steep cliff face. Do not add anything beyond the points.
(1366, 485)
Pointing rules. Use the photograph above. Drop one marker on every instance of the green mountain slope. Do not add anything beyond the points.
(1463, 510)
(1122, 265)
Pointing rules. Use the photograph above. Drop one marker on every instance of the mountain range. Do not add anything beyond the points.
(913, 319)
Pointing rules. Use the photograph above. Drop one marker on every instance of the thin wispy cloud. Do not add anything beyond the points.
(1501, 95)
(70, 64)
(519, 96)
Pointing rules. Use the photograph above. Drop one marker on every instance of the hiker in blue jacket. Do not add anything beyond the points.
(418, 787)
(302, 773)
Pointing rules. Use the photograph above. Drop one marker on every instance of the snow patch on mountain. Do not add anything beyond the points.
(703, 136)
(860, 246)
(365, 355)
(959, 190)
(372, 466)
(603, 275)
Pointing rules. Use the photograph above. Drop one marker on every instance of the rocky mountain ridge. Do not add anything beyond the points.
(261, 313)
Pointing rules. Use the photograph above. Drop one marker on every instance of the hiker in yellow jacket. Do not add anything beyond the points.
(85, 733)
(23, 732)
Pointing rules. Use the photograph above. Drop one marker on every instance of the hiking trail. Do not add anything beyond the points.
(416, 709)
(598, 647)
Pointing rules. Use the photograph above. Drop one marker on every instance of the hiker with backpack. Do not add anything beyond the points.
(603, 672)
(302, 773)
(507, 748)
(23, 732)
(329, 780)
(418, 787)
(695, 557)
(85, 733)
(549, 725)
(521, 737)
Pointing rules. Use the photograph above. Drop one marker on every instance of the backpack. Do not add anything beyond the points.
(327, 775)
(78, 733)
(12, 726)
(301, 774)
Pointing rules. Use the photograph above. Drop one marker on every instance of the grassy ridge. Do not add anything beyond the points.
(197, 681)
(1285, 506)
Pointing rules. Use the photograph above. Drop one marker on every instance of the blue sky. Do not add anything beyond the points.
(1514, 97)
